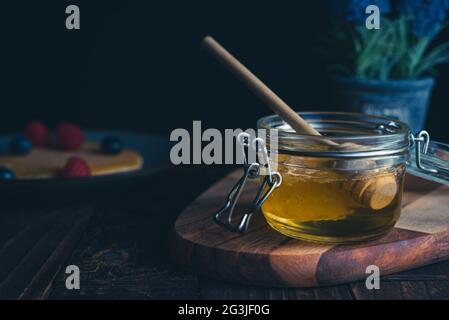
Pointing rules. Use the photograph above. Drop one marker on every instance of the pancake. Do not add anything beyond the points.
(48, 163)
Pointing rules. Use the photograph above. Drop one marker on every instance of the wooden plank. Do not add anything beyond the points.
(120, 258)
(414, 290)
(427, 214)
(340, 292)
(30, 264)
(416, 187)
(40, 285)
(387, 291)
(220, 290)
(17, 246)
(301, 294)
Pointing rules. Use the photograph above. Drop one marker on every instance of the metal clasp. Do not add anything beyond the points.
(422, 145)
(251, 171)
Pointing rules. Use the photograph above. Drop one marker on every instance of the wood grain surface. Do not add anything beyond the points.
(265, 257)
(37, 251)
(123, 254)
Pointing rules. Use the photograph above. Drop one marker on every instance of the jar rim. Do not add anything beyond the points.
(367, 135)
(402, 127)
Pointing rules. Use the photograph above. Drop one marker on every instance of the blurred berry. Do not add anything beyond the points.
(38, 133)
(75, 168)
(20, 145)
(112, 145)
(6, 174)
(69, 136)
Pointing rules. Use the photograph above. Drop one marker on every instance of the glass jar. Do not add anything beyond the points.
(344, 186)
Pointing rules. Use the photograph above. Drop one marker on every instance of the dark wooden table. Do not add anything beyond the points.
(119, 244)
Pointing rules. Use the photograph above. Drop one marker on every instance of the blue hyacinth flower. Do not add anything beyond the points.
(428, 15)
(354, 11)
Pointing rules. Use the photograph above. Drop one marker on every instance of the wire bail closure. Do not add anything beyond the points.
(422, 145)
(251, 171)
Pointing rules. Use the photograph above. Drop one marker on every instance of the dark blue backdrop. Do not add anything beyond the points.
(139, 65)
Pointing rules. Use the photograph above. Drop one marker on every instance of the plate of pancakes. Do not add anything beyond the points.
(42, 169)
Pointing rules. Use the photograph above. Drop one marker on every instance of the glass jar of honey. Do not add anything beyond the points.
(344, 186)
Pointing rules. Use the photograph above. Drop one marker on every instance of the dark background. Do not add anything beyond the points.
(139, 65)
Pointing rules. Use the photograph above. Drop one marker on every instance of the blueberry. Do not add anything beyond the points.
(6, 174)
(20, 145)
(112, 145)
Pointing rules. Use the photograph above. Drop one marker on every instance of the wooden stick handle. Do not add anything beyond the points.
(270, 98)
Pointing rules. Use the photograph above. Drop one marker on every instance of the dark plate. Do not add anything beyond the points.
(154, 149)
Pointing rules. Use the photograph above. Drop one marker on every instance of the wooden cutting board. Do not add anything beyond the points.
(263, 256)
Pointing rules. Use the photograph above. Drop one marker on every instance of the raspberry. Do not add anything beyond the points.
(69, 136)
(76, 167)
(38, 133)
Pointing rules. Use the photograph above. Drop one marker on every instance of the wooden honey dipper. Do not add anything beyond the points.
(374, 192)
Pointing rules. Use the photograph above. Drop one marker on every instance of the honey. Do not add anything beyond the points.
(311, 204)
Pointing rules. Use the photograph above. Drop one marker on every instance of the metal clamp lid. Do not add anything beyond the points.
(251, 171)
(430, 159)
